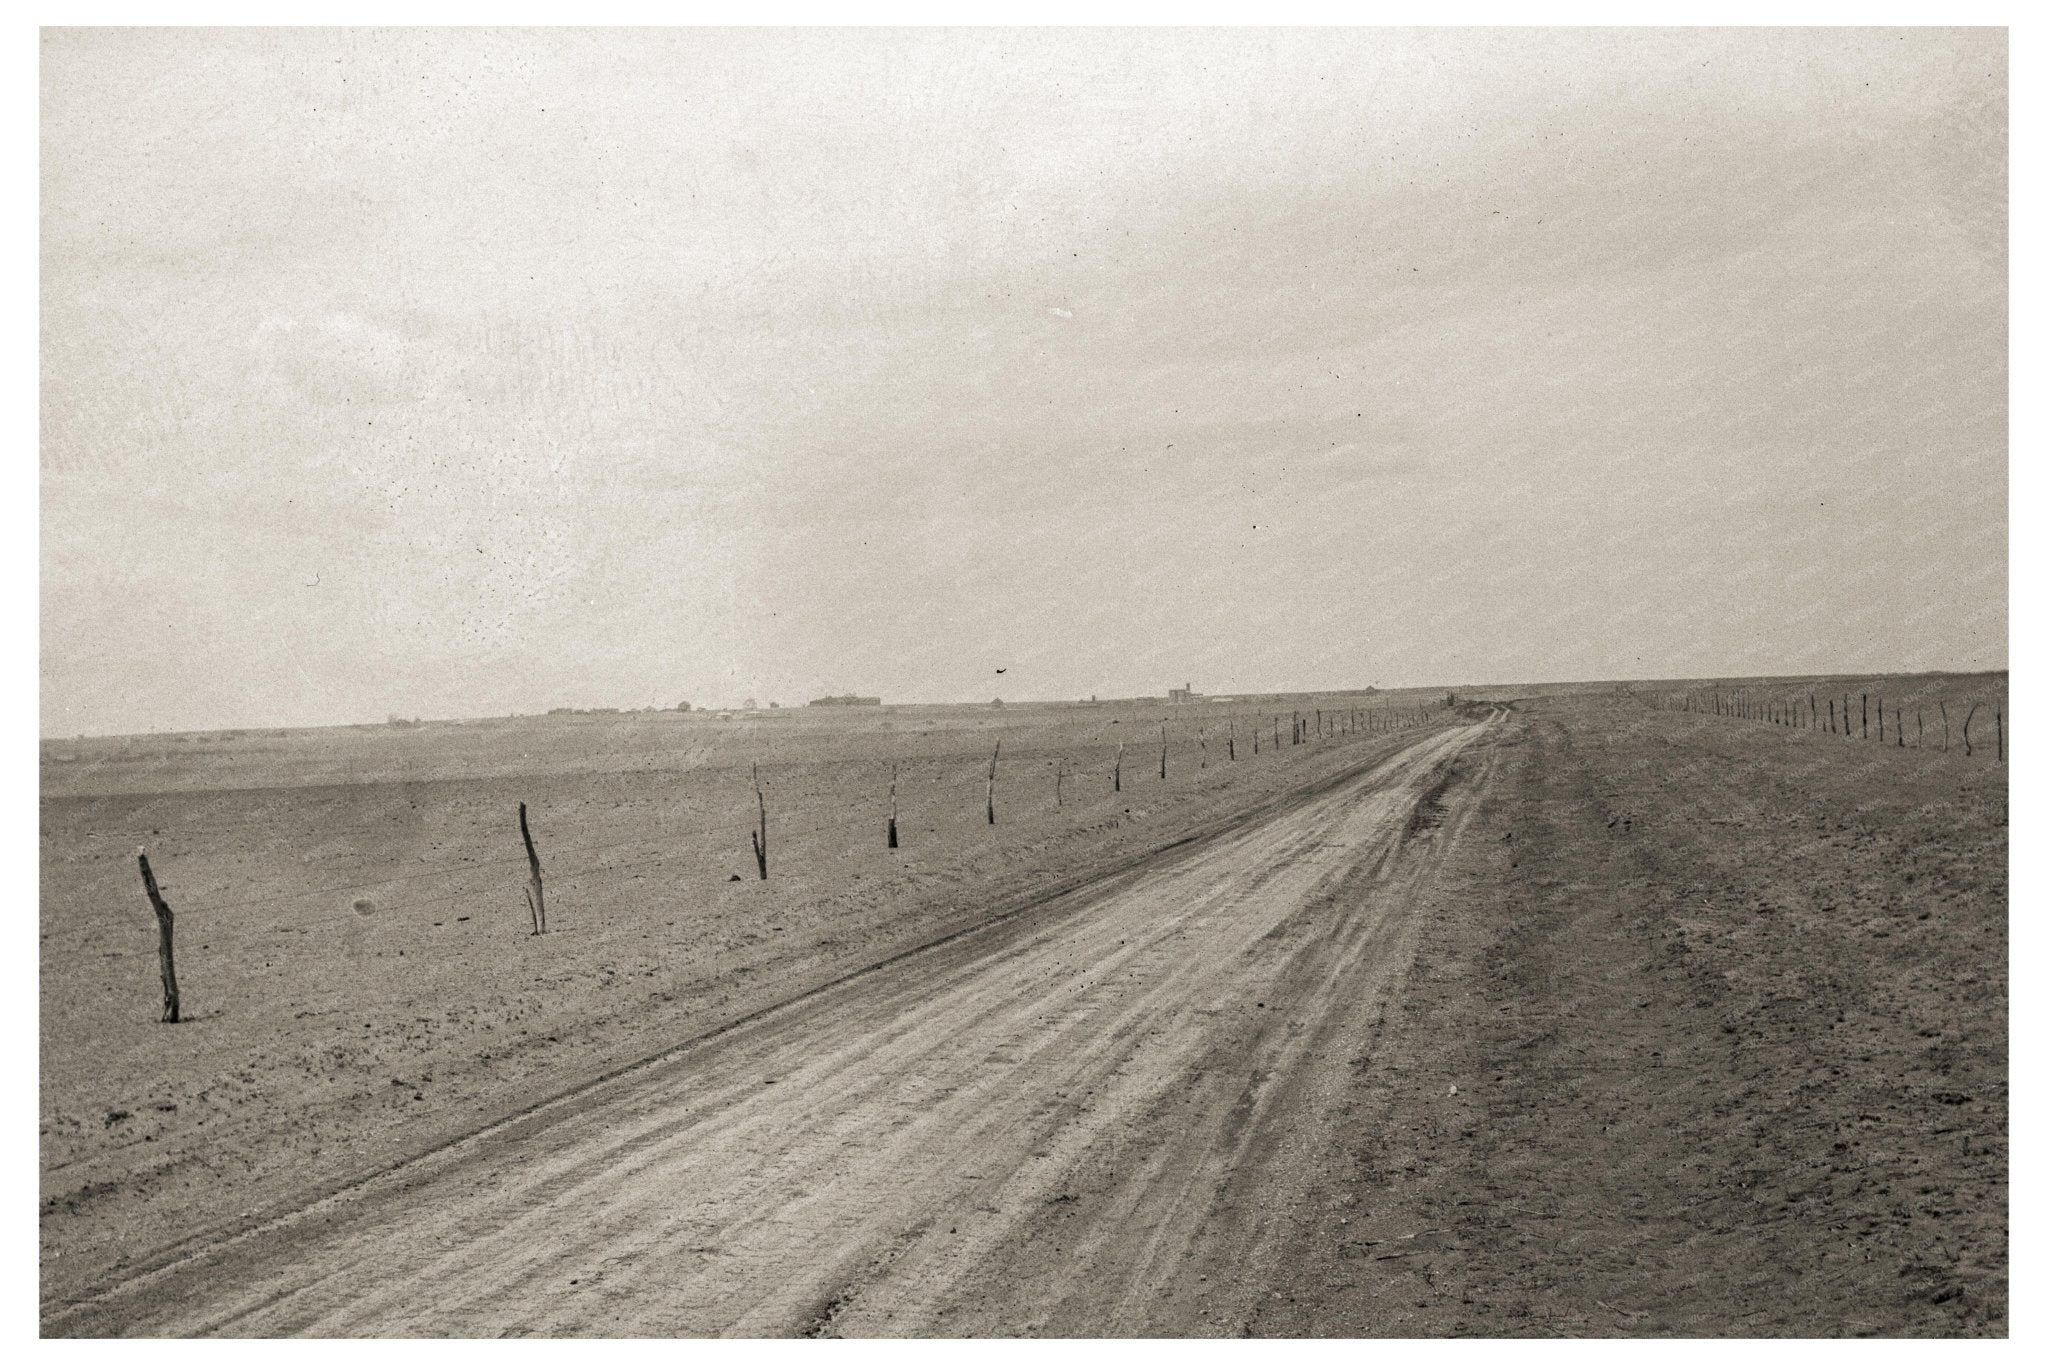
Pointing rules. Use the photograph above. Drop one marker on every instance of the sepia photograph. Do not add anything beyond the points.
(1075, 682)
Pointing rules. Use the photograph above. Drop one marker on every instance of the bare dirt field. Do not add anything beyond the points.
(1584, 1017)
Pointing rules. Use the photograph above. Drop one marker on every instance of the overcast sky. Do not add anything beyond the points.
(466, 373)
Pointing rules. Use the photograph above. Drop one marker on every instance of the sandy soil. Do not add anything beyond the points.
(864, 1160)
(324, 1045)
(1602, 1020)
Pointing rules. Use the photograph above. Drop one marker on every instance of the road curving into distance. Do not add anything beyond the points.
(1023, 1129)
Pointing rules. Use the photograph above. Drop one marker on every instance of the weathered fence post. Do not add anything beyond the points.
(1919, 727)
(992, 781)
(1202, 740)
(1880, 720)
(1059, 776)
(1119, 779)
(1944, 725)
(1162, 751)
(760, 836)
(537, 901)
(1866, 715)
(1967, 750)
(892, 805)
(1233, 739)
(166, 964)
(2000, 714)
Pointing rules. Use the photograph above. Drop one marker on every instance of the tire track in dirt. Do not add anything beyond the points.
(852, 1162)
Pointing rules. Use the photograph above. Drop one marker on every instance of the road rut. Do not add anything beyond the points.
(875, 1158)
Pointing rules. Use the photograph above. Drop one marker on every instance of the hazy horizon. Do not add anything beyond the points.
(477, 372)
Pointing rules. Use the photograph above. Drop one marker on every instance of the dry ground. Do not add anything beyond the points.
(323, 1043)
(1723, 1004)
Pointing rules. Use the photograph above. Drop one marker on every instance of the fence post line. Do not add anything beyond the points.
(166, 964)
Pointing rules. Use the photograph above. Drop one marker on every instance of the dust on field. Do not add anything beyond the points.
(353, 943)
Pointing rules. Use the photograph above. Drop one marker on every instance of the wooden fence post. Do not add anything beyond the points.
(992, 781)
(537, 901)
(1162, 751)
(1944, 725)
(1202, 739)
(166, 964)
(2000, 713)
(760, 836)
(1119, 780)
(1967, 750)
(1059, 776)
(892, 805)
(1233, 739)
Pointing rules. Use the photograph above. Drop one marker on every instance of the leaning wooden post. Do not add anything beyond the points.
(1944, 725)
(1967, 750)
(892, 805)
(760, 836)
(1118, 780)
(992, 781)
(165, 964)
(1831, 715)
(537, 897)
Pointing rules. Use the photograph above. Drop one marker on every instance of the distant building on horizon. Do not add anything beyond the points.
(1185, 692)
(848, 700)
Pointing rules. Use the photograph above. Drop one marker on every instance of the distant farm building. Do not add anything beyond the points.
(1185, 692)
(848, 700)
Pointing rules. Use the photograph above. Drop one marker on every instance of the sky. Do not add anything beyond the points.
(452, 373)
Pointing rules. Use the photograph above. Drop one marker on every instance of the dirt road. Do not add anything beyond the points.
(890, 1155)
